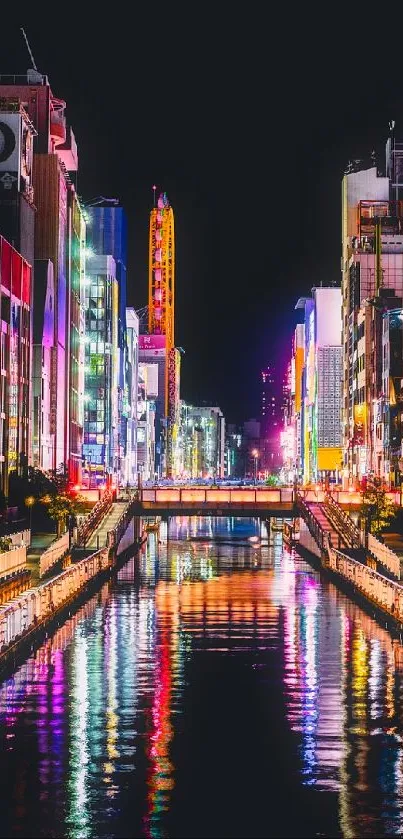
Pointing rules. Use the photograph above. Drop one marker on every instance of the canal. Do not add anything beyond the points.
(217, 687)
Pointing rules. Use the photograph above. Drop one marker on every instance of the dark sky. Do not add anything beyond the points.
(247, 124)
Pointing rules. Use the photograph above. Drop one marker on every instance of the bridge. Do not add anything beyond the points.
(190, 501)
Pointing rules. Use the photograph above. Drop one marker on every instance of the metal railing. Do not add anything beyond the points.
(114, 536)
(342, 522)
(316, 530)
(386, 593)
(195, 496)
(92, 521)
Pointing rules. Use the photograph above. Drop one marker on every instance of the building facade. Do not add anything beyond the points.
(59, 239)
(320, 416)
(372, 282)
(101, 461)
(15, 360)
(129, 469)
(202, 442)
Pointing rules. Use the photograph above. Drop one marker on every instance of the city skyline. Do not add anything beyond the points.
(233, 185)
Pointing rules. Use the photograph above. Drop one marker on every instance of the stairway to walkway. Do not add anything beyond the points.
(318, 511)
(98, 538)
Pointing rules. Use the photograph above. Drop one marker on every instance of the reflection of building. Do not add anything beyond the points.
(15, 349)
(202, 441)
(100, 449)
(321, 384)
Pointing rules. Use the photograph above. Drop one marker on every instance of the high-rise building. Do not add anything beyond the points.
(101, 461)
(59, 239)
(291, 435)
(161, 331)
(148, 379)
(234, 460)
(107, 235)
(321, 433)
(129, 464)
(372, 282)
(270, 424)
(202, 432)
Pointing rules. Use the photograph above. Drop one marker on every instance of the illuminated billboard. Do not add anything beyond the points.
(152, 342)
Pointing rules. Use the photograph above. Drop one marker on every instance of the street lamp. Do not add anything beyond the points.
(29, 502)
(255, 455)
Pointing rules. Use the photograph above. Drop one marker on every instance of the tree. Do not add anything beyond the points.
(272, 481)
(61, 507)
(376, 508)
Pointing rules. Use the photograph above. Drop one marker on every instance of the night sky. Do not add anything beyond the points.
(248, 128)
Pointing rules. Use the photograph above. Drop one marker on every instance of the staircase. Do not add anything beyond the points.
(99, 537)
(318, 511)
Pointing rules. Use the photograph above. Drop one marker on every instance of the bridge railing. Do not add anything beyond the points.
(384, 592)
(320, 535)
(91, 522)
(342, 522)
(218, 497)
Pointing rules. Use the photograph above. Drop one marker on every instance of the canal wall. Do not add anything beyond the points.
(31, 612)
(381, 594)
(307, 541)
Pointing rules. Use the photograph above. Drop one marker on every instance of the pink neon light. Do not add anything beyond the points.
(151, 342)
(158, 255)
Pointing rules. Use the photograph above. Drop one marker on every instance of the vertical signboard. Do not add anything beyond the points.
(53, 390)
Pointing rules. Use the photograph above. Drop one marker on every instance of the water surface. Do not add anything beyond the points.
(218, 687)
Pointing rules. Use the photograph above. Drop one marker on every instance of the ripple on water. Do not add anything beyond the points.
(218, 687)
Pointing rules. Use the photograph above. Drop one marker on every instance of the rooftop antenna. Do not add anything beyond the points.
(154, 188)
(29, 49)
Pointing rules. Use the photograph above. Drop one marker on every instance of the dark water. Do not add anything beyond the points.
(217, 688)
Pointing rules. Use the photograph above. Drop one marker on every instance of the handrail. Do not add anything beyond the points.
(94, 518)
(320, 535)
(114, 536)
(342, 521)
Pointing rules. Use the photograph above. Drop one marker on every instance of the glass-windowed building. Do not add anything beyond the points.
(100, 448)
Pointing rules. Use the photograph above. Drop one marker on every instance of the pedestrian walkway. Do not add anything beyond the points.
(39, 543)
(99, 537)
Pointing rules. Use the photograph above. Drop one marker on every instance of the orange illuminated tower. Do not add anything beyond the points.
(161, 320)
(161, 282)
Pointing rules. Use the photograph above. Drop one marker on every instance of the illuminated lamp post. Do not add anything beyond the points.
(29, 502)
(255, 455)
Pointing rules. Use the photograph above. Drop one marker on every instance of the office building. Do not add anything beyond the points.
(60, 240)
(101, 457)
(321, 432)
